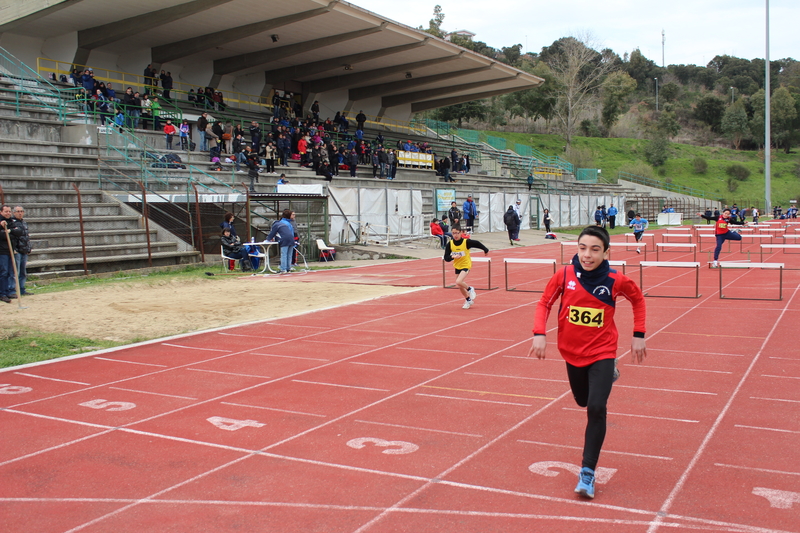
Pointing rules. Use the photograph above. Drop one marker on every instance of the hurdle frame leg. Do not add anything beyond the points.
(488, 284)
(780, 289)
(696, 285)
(514, 289)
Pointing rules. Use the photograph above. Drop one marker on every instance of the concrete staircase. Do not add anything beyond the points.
(38, 170)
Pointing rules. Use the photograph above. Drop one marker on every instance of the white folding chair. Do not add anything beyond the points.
(325, 251)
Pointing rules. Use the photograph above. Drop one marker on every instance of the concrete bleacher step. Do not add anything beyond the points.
(36, 156)
(47, 147)
(34, 168)
(111, 263)
(48, 183)
(97, 223)
(39, 196)
(65, 253)
(70, 209)
(64, 239)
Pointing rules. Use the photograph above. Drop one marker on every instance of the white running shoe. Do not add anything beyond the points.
(472, 294)
(638, 251)
(715, 264)
(467, 304)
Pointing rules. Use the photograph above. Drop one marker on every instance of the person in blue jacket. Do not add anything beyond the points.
(470, 214)
(612, 216)
(283, 232)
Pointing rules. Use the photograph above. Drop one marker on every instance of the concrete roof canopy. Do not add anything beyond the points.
(328, 50)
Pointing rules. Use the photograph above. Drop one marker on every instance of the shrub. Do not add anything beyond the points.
(657, 151)
(738, 172)
(700, 165)
(732, 184)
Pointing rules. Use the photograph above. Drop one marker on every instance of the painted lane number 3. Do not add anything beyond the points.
(586, 316)
(393, 447)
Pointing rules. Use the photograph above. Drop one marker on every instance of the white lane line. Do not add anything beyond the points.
(342, 343)
(338, 385)
(56, 447)
(250, 336)
(471, 399)
(228, 373)
(291, 357)
(780, 377)
(638, 416)
(195, 348)
(681, 369)
(783, 358)
(52, 379)
(694, 353)
(513, 377)
(405, 333)
(129, 362)
(154, 393)
(419, 428)
(436, 351)
(667, 390)
(774, 399)
(395, 366)
(604, 450)
(473, 338)
(767, 470)
(551, 360)
(767, 429)
(273, 409)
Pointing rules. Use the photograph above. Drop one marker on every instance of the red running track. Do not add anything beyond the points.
(407, 413)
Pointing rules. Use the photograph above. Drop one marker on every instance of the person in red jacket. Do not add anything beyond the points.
(587, 335)
(169, 132)
(722, 233)
(437, 230)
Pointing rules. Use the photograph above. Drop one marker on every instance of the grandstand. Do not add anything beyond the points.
(136, 211)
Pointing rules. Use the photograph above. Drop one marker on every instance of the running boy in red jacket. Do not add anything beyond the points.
(587, 335)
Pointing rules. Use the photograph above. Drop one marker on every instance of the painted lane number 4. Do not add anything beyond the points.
(393, 447)
(231, 424)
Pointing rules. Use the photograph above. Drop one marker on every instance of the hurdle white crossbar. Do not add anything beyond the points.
(661, 245)
(474, 260)
(670, 264)
(514, 260)
(782, 247)
(666, 236)
(725, 265)
(618, 263)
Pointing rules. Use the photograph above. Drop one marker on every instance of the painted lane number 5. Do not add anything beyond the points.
(393, 447)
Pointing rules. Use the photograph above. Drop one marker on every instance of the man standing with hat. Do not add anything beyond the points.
(519, 218)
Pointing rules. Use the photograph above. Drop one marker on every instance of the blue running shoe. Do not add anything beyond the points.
(616, 372)
(585, 483)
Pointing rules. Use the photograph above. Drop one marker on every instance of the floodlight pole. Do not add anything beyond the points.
(733, 93)
(767, 128)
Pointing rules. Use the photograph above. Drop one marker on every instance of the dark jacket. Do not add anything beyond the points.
(511, 219)
(282, 229)
(16, 233)
(21, 243)
(230, 245)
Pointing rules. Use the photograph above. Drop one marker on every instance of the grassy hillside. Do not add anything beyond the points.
(614, 155)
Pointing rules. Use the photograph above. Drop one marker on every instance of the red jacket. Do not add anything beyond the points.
(722, 226)
(586, 329)
(436, 229)
(169, 129)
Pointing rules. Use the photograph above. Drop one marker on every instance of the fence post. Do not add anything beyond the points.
(83, 236)
(199, 223)
(146, 225)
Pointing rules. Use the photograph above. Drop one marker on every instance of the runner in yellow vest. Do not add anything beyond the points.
(457, 251)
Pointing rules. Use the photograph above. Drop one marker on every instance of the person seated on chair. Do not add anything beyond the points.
(445, 228)
(436, 230)
(233, 249)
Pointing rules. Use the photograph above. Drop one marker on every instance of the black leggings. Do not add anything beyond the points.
(591, 387)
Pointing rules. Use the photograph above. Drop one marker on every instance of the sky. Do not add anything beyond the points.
(695, 30)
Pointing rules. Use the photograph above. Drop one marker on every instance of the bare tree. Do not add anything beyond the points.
(578, 71)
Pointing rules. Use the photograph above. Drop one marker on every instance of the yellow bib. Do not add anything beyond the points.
(460, 255)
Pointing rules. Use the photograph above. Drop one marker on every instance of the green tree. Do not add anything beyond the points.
(435, 24)
(669, 91)
(667, 124)
(657, 151)
(616, 88)
(511, 55)
(641, 69)
(735, 124)
(535, 103)
(710, 109)
(783, 110)
(758, 103)
(578, 70)
(461, 112)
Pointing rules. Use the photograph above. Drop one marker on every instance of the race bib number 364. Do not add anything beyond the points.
(586, 316)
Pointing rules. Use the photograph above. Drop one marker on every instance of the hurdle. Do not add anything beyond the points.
(618, 263)
(644, 235)
(563, 244)
(755, 237)
(641, 245)
(783, 247)
(711, 237)
(763, 266)
(512, 260)
(661, 245)
(474, 260)
(665, 236)
(668, 264)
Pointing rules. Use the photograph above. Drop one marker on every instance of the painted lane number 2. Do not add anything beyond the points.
(393, 447)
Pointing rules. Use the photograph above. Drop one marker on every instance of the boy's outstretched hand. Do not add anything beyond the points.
(638, 349)
(538, 346)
